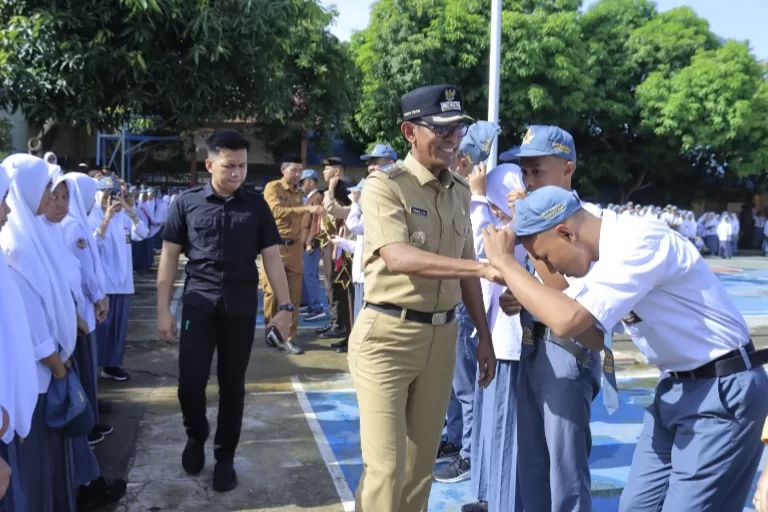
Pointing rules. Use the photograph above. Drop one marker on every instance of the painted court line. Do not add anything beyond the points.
(339, 481)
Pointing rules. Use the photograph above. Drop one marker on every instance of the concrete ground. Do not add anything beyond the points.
(299, 446)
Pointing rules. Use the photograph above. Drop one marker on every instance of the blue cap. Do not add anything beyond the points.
(109, 183)
(381, 151)
(476, 144)
(544, 209)
(511, 155)
(67, 409)
(548, 141)
(308, 174)
(435, 104)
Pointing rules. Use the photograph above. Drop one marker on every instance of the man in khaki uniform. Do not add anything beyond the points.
(419, 264)
(286, 200)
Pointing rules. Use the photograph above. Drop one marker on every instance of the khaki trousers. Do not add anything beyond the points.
(402, 372)
(293, 261)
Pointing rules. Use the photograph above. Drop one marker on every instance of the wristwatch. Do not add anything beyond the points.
(285, 307)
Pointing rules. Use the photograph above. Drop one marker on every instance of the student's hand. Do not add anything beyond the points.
(316, 209)
(486, 360)
(478, 180)
(491, 274)
(509, 304)
(113, 207)
(355, 196)
(514, 196)
(5, 477)
(760, 500)
(82, 326)
(332, 184)
(499, 245)
(166, 325)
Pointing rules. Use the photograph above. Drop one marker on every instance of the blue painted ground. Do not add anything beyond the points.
(748, 289)
(614, 439)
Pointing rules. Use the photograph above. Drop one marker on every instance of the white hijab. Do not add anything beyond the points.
(31, 252)
(18, 376)
(501, 180)
(68, 266)
(82, 197)
(116, 267)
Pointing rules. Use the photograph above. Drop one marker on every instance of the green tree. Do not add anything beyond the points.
(410, 43)
(185, 62)
(5, 137)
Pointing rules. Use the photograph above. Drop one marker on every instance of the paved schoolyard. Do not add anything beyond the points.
(300, 442)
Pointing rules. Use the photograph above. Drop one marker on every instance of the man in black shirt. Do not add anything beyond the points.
(221, 227)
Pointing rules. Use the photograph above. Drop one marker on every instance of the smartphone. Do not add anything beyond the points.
(273, 336)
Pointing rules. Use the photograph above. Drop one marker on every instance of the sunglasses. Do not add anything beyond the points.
(460, 130)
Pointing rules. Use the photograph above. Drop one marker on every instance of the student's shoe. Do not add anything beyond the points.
(100, 492)
(455, 472)
(314, 315)
(289, 348)
(193, 457)
(224, 476)
(321, 330)
(447, 452)
(104, 430)
(95, 438)
(341, 347)
(478, 506)
(114, 373)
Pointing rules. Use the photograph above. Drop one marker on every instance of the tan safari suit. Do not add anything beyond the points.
(403, 370)
(287, 205)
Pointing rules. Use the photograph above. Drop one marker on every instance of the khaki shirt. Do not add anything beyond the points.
(406, 203)
(287, 205)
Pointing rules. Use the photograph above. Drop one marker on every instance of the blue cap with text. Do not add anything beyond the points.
(543, 140)
(544, 209)
(476, 144)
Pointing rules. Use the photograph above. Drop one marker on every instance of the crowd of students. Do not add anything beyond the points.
(66, 267)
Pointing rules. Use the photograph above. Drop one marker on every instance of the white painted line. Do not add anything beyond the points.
(342, 488)
(306, 391)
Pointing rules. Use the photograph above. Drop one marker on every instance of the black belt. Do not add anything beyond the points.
(287, 242)
(728, 364)
(440, 318)
(542, 332)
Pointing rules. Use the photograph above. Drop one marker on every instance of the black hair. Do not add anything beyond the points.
(226, 139)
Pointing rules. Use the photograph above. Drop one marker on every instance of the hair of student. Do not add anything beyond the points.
(226, 139)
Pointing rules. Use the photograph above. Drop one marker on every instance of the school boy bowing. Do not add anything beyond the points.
(700, 444)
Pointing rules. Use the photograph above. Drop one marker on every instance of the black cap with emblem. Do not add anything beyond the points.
(333, 161)
(435, 104)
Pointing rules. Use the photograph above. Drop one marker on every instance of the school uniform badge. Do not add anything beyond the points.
(527, 336)
(81, 243)
(631, 319)
(418, 238)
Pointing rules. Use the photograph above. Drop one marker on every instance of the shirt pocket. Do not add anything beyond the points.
(242, 233)
(202, 231)
(462, 228)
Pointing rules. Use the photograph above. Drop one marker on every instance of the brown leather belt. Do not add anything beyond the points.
(439, 318)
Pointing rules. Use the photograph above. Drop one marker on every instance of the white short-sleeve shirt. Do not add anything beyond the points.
(656, 283)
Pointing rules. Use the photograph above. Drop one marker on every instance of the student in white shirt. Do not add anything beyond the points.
(735, 232)
(116, 224)
(47, 462)
(18, 376)
(724, 236)
(709, 224)
(757, 237)
(494, 422)
(700, 445)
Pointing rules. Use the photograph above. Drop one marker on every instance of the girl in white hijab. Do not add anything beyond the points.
(116, 225)
(46, 454)
(18, 380)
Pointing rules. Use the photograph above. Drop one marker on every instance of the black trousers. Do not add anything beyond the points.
(341, 301)
(201, 334)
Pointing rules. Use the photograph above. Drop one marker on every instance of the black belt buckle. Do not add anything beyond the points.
(288, 243)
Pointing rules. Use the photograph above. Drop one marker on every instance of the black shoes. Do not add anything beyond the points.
(224, 476)
(100, 492)
(340, 347)
(193, 458)
(114, 373)
(98, 433)
(478, 506)
(447, 452)
(321, 330)
(334, 334)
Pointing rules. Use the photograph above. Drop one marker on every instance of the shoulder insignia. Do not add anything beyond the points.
(393, 170)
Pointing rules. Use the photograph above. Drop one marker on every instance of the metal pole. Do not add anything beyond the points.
(98, 148)
(494, 76)
(122, 152)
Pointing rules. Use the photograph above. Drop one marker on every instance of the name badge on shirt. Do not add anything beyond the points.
(418, 211)
(631, 319)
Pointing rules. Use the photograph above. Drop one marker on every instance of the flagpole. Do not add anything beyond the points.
(494, 76)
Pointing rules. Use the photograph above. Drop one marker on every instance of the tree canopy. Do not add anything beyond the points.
(650, 97)
(185, 62)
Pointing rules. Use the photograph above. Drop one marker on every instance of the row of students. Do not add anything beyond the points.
(66, 272)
